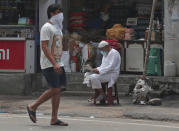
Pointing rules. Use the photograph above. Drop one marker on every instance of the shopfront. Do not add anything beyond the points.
(21, 20)
(96, 18)
(18, 35)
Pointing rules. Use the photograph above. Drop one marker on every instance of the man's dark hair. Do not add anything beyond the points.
(52, 9)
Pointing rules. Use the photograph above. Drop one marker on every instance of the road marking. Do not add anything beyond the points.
(95, 120)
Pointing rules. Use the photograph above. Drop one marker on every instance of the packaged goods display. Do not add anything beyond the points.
(12, 11)
(17, 18)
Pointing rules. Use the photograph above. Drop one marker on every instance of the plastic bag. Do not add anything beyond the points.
(66, 61)
(141, 92)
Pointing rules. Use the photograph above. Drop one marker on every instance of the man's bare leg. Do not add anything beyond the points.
(101, 92)
(101, 95)
(55, 105)
(43, 98)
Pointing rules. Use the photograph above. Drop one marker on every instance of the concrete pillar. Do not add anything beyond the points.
(66, 8)
(43, 5)
(171, 25)
(59, 2)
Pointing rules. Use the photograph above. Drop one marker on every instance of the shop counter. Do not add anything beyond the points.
(16, 54)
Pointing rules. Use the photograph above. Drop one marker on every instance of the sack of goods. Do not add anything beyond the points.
(114, 44)
(116, 32)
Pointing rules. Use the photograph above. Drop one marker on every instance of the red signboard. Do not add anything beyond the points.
(12, 55)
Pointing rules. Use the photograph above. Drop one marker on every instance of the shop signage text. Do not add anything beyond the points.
(4, 54)
(12, 55)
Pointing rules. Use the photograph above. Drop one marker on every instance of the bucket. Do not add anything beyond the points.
(170, 68)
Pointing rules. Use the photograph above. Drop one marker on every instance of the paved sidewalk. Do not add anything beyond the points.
(78, 106)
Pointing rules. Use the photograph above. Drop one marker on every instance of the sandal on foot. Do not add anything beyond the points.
(32, 115)
(90, 100)
(60, 123)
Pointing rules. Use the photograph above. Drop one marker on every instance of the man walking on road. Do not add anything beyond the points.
(51, 70)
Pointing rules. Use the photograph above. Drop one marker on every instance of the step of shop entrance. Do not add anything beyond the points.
(75, 85)
(123, 79)
(28, 84)
(78, 86)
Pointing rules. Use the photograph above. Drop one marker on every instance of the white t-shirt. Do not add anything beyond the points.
(57, 21)
(47, 33)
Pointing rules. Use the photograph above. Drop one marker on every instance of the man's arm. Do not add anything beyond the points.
(49, 56)
(111, 66)
(53, 46)
(61, 46)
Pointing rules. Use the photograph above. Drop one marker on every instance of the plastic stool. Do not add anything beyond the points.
(110, 98)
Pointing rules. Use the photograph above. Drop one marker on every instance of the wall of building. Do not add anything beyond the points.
(66, 7)
(43, 5)
(59, 1)
(171, 25)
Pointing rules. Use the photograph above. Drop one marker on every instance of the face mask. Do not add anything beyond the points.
(103, 53)
(57, 20)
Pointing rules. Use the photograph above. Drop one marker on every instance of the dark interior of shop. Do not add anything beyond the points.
(126, 21)
(103, 14)
(12, 10)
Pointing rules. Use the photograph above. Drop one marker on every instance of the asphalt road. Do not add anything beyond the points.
(12, 122)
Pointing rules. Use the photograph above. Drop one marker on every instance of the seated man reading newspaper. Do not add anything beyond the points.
(108, 71)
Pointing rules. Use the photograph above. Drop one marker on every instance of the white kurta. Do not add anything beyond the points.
(108, 71)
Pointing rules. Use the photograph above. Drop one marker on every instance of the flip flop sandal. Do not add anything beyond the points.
(60, 123)
(31, 113)
(90, 100)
